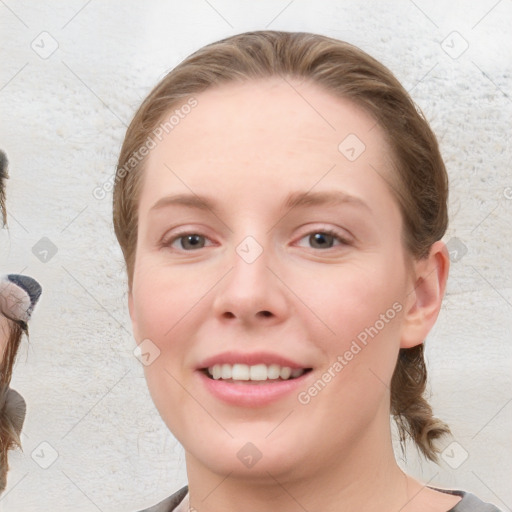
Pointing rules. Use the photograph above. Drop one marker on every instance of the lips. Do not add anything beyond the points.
(261, 366)
(251, 380)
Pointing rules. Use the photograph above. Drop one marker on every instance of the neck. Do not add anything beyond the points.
(363, 476)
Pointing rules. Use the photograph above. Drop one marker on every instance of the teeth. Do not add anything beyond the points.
(216, 371)
(226, 372)
(240, 372)
(285, 373)
(297, 372)
(273, 371)
(256, 372)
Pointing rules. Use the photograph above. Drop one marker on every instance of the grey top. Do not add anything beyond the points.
(468, 503)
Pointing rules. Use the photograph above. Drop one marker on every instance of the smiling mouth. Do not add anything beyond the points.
(254, 373)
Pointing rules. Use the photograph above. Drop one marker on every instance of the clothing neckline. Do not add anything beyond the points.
(178, 502)
(453, 492)
(184, 495)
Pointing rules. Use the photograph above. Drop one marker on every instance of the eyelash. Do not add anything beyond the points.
(167, 243)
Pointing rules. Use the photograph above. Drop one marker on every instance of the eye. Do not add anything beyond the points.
(186, 241)
(324, 239)
(319, 239)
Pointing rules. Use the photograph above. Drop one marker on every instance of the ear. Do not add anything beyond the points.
(424, 304)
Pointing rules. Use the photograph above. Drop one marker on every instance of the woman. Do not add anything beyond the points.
(280, 204)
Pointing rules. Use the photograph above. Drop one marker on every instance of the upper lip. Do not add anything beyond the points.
(249, 359)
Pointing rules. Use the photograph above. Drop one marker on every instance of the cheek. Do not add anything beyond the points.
(361, 309)
(160, 300)
(161, 317)
(348, 300)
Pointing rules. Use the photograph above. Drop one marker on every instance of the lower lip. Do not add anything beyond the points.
(252, 395)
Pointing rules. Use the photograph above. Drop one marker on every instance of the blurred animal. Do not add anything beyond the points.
(18, 296)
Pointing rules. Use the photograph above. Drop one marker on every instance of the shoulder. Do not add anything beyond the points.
(170, 503)
(469, 502)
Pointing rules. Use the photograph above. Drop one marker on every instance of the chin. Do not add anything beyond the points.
(243, 459)
(249, 455)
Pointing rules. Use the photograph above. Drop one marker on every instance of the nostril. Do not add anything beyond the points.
(229, 314)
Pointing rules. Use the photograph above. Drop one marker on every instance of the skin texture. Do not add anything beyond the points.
(247, 146)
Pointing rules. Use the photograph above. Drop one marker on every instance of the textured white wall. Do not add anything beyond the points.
(63, 117)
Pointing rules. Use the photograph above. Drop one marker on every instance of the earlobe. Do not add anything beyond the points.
(431, 274)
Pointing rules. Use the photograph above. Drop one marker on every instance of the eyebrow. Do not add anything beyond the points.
(328, 198)
(293, 200)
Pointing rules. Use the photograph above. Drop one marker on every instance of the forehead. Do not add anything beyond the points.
(269, 116)
(263, 136)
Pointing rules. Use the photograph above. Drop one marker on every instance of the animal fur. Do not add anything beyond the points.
(18, 296)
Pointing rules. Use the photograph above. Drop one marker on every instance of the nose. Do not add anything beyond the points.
(252, 291)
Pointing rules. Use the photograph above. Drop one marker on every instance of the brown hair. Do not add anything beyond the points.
(4, 174)
(12, 406)
(420, 182)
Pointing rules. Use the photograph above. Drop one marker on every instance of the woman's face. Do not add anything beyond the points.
(295, 261)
